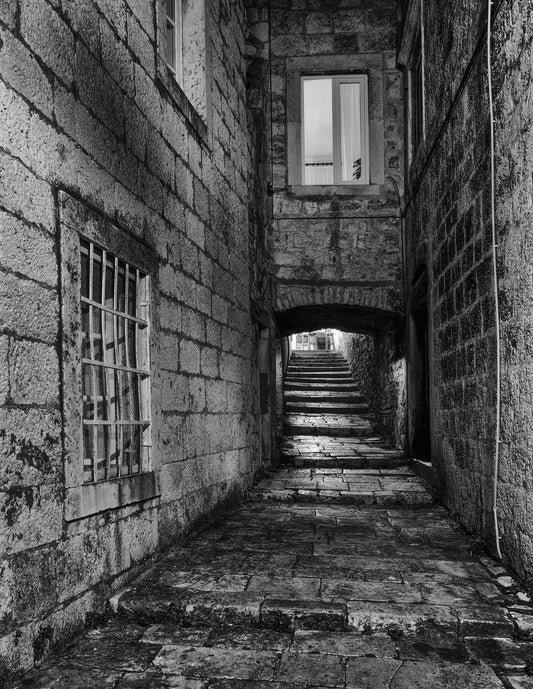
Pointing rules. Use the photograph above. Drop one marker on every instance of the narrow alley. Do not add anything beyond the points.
(337, 571)
(266, 362)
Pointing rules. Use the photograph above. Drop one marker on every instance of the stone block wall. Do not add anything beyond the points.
(449, 227)
(378, 367)
(90, 113)
(513, 89)
(336, 238)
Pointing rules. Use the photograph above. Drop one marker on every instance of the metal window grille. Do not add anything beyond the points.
(115, 366)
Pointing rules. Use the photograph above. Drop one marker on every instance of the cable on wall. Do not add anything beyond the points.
(495, 280)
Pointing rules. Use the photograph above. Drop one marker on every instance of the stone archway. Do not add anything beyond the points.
(357, 309)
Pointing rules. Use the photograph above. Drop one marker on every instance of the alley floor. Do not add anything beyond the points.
(339, 570)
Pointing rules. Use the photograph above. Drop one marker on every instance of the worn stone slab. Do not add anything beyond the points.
(413, 675)
(502, 653)
(157, 680)
(523, 619)
(484, 620)
(323, 671)
(216, 662)
(434, 648)
(195, 607)
(371, 673)
(292, 587)
(339, 589)
(286, 614)
(172, 635)
(357, 645)
(385, 617)
(247, 638)
(69, 678)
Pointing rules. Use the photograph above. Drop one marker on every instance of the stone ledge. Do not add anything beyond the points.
(356, 190)
(91, 498)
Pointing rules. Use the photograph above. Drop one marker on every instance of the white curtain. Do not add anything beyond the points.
(350, 132)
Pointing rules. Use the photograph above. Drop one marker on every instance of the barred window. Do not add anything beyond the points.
(115, 366)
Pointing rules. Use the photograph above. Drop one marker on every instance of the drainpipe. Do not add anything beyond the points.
(495, 280)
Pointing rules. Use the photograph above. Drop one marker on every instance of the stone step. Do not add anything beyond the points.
(307, 407)
(319, 366)
(337, 380)
(309, 356)
(320, 375)
(354, 397)
(331, 455)
(332, 430)
(319, 461)
(347, 487)
(321, 387)
(167, 605)
(327, 372)
(318, 352)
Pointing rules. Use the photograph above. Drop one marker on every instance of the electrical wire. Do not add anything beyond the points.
(495, 279)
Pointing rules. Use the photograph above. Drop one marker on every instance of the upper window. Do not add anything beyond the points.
(182, 57)
(174, 38)
(335, 130)
(115, 366)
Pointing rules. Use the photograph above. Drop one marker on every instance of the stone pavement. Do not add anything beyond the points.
(336, 576)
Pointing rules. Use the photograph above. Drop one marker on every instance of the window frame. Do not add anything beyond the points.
(176, 23)
(190, 94)
(140, 320)
(337, 80)
(76, 222)
(411, 58)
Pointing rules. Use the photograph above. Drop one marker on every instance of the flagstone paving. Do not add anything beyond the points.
(327, 576)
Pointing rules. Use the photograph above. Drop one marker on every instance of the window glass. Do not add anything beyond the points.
(174, 38)
(318, 131)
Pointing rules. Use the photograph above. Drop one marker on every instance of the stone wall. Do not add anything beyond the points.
(336, 239)
(513, 88)
(449, 227)
(89, 108)
(448, 217)
(379, 370)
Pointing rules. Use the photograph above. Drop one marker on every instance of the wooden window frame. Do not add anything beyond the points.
(337, 80)
(175, 23)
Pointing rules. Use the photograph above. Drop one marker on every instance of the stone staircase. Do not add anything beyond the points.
(330, 450)
(321, 397)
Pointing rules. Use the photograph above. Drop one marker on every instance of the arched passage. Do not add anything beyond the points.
(348, 318)
(371, 340)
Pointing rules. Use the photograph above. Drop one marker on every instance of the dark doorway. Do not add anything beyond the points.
(419, 368)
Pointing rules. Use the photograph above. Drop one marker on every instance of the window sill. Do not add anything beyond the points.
(168, 85)
(91, 498)
(355, 190)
